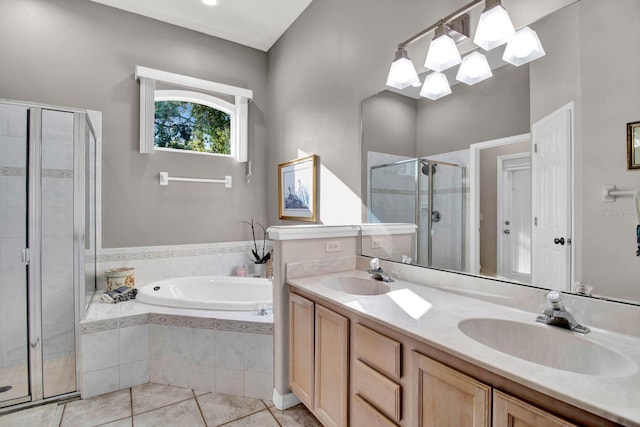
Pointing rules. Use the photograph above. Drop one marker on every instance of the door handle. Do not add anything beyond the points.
(559, 241)
(506, 231)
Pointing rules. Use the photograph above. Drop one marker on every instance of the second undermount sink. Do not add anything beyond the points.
(355, 285)
(549, 346)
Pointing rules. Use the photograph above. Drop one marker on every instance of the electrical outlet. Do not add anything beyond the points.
(333, 246)
(376, 242)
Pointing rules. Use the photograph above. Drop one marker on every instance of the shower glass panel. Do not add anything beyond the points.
(57, 260)
(442, 215)
(392, 196)
(14, 376)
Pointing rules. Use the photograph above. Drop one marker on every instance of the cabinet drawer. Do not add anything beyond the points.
(509, 411)
(380, 391)
(377, 350)
(366, 415)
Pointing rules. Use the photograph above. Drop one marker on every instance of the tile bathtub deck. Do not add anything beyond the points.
(159, 405)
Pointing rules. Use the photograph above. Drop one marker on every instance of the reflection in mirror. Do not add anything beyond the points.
(633, 145)
(534, 148)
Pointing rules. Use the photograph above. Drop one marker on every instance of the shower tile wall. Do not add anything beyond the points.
(448, 254)
(13, 280)
(58, 314)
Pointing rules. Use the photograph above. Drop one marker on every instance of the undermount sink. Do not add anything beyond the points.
(549, 346)
(355, 285)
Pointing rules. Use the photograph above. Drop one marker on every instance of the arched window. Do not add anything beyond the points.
(193, 121)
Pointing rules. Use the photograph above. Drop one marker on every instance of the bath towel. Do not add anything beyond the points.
(123, 293)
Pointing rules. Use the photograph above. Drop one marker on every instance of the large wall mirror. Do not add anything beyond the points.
(506, 178)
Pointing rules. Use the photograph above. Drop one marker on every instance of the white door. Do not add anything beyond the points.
(514, 217)
(552, 139)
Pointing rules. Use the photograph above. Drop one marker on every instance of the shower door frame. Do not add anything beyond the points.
(82, 128)
(431, 163)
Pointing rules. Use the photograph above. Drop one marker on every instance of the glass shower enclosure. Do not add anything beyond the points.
(429, 194)
(47, 162)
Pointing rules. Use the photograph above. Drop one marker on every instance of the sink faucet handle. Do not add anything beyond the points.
(554, 298)
(374, 264)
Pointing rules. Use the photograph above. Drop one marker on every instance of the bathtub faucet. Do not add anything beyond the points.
(376, 271)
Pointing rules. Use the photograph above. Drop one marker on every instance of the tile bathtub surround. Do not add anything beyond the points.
(154, 263)
(217, 355)
(160, 405)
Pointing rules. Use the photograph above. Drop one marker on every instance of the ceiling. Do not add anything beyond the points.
(253, 23)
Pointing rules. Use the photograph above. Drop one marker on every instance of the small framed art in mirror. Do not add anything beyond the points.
(633, 145)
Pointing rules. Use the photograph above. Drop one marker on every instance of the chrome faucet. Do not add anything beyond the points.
(376, 271)
(557, 315)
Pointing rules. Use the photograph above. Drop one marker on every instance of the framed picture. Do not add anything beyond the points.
(633, 145)
(297, 189)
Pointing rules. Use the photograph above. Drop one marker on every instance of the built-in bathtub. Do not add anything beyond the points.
(225, 347)
(209, 293)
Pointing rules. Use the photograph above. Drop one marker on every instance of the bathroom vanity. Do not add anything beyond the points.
(366, 353)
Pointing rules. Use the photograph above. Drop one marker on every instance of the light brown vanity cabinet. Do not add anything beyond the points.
(445, 397)
(319, 359)
(511, 412)
(376, 372)
(301, 348)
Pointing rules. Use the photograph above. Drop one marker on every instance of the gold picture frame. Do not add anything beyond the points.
(298, 190)
(633, 145)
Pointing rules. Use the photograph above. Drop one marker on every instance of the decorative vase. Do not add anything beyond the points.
(259, 270)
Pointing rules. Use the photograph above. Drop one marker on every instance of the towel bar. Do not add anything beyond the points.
(165, 178)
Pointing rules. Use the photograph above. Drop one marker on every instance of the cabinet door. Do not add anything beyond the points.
(512, 412)
(445, 397)
(332, 367)
(301, 345)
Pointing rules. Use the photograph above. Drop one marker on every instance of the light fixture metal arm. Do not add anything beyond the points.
(446, 19)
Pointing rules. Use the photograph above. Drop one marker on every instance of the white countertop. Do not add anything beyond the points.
(613, 398)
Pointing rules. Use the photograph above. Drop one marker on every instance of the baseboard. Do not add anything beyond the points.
(284, 401)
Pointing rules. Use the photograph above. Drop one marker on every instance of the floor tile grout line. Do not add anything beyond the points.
(274, 416)
(199, 408)
(64, 409)
(243, 417)
(160, 407)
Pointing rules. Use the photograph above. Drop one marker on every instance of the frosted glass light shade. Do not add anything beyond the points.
(524, 48)
(435, 86)
(494, 28)
(442, 54)
(474, 69)
(402, 73)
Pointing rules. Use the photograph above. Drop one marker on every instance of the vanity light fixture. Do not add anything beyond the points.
(402, 73)
(474, 69)
(211, 2)
(436, 85)
(443, 53)
(495, 27)
(524, 48)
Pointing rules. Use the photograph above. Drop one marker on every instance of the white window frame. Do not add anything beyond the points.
(239, 110)
(204, 99)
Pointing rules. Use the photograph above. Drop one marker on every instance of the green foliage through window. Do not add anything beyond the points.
(190, 126)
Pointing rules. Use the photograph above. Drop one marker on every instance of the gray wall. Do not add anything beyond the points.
(388, 126)
(80, 54)
(492, 109)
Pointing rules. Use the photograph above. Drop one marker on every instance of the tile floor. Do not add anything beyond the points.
(154, 405)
